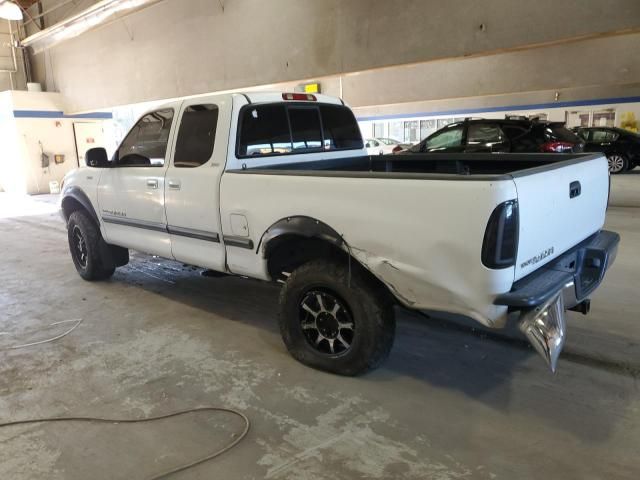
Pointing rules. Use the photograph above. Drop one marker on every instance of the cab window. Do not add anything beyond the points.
(146, 144)
(279, 129)
(196, 136)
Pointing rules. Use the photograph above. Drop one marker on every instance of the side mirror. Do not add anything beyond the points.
(97, 158)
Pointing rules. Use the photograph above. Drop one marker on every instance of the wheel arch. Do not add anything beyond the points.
(75, 199)
(294, 241)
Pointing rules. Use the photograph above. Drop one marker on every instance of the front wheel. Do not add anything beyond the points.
(617, 163)
(335, 323)
(84, 244)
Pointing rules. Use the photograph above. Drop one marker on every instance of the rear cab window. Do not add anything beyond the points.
(295, 128)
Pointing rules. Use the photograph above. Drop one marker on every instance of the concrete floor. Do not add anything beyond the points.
(157, 337)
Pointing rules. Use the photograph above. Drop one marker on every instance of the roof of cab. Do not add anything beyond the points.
(268, 97)
(253, 97)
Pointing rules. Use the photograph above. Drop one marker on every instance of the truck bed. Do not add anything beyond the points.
(431, 165)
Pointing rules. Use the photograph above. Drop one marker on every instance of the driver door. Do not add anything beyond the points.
(131, 192)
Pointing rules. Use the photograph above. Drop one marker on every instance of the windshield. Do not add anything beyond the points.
(389, 141)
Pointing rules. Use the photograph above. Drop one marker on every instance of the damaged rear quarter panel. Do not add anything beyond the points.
(421, 237)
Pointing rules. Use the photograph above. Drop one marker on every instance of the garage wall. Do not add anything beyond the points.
(178, 48)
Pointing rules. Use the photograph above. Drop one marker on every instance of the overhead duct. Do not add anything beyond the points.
(96, 15)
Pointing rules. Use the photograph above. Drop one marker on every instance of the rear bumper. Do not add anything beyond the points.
(543, 296)
(576, 273)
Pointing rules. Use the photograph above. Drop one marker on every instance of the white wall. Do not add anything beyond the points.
(24, 140)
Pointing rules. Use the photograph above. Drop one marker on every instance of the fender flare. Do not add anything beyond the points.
(302, 226)
(77, 194)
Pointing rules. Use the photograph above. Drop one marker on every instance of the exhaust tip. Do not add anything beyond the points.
(545, 328)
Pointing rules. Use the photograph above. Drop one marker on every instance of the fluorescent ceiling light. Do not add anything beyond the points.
(93, 16)
(9, 10)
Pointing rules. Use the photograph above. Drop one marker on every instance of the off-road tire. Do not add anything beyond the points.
(368, 304)
(88, 261)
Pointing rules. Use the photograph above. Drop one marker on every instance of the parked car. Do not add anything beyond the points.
(382, 146)
(278, 187)
(621, 147)
(516, 135)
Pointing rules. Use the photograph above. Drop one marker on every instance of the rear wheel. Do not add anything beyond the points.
(617, 163)
(333, 323)
(84, 245)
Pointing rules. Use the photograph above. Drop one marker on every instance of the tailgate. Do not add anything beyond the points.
(560, 205)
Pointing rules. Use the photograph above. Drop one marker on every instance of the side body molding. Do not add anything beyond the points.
(301, 226)
(77, 194)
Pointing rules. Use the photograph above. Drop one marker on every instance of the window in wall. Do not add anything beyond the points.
(146, 143)
(411, 131)
(378, 129)
(196, 136)
(443, 122)
(604, 118)
(449, 138)
(577, 118)
(427, 127)
(396, 130)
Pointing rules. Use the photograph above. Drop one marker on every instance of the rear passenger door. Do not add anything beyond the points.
(192, 184)
(486, 137)
(595, 140)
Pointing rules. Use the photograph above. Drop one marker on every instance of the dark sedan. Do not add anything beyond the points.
(621, 147)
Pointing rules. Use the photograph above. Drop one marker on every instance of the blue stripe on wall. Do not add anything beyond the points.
(533, 106)
(59, 114)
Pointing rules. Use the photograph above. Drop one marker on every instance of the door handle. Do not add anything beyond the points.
(174, 184)
(152, 182)
(575, 189)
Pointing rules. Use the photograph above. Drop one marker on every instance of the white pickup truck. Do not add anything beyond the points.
(278, 187)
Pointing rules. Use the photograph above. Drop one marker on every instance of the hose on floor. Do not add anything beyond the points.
(180, 468)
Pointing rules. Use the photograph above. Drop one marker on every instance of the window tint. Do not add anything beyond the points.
(515, 132)
(451, 137)
(196, 136)
(603, 136)
(341, 130)
(146, 143)
(484, 134)
(264, 130)
(279, 129)
(583, 134)
(305, 128)
(558, 132)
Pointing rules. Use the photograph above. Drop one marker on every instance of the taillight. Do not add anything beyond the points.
(500, 245)
(556, 147)
(397, 149)
(305, 97)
